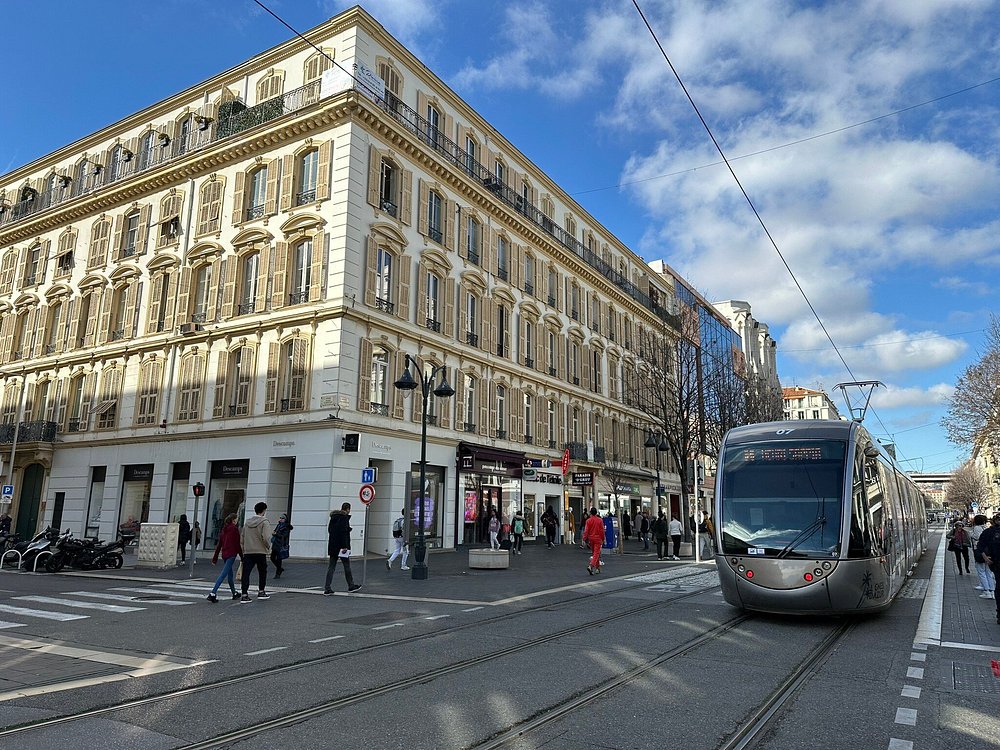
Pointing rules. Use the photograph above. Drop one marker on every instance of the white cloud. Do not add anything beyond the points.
(407, 20)
(895, 397)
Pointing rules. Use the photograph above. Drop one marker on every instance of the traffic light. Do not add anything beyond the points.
(198, 489)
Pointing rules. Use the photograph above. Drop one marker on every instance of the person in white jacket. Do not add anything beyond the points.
(676, 532)
(399, 538)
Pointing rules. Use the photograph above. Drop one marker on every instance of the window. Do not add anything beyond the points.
(472, 319)
(815, 414)
(316, 65)
(500, 173)
(210, 206)
(470, 403)
(553, 287)
(269, 86)
(107, 408)
(292, 376)
(393, 85)
(552, 352)
(121, 317)
(32, 266)
(574, 307)
(529, 274)
(501, 411)
(149, 393)
(435, 227)
(183, 134)
(528, 343)
(170, 221)
(190, 387)
(378, 395)
(595, 313)
(576, 425)
(574, 362)
(120, 158)
(388, 187)
(239, 381)
(433, 125)
(81, 179)
(130, 235)
(596, 434)
(147, 151)
(502, 258)
(84, 321)
(528, 416)
(596, 366)
(472, 235)
(20, 342)
(52, 328)
(7, 270)
(308, 175)
(471, 155)
(503, 333)
(258, 194)
(202, 289)
(432, 311)
(300, 273)
(249, 272)
(383, 280)
(74, 403)
(551, 423)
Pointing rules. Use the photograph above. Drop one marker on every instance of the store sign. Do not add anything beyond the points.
(529, 475)
(139, 473)
(582, 478)
(538, 463)
(626, 488)
(233, 469)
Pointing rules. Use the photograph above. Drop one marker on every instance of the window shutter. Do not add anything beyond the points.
(170, 279)
(229, 289)
(421, 293)
(585, 374)
(221, 373)
(41, 322)
(516, 414)
(417, 406)
(403, 288)
(212, 309)
(365, 375)
(463, 317)
(278, 298)
(406, 198)
(270, 188)
(563, 372)
(488, 249)
(103, 314)
(43, 261)
(422, 208)
(449, 224)
(239, 197)
(6, 337)
(323, 171)
(319, 255)
(297, 377)
(374, 175)
(271, 384)
(541, 416)
(204, 204)
(218, 192)
(461, 220)
(263, 277)
(449, 307)
(371, 257)
(132, 297)
(142, 237)
(539, 346)
(155, 295)
(485, 406)
(287, 181)
(68, 308)
(396, 364)
(516, 260)
(459, 386)
(183, 295)
(444, 406)
(117, 237)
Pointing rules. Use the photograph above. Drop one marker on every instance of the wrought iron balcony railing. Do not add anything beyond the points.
(382, 409)
(297, 298)
(29, 432)
(255, 212)
(384, 305)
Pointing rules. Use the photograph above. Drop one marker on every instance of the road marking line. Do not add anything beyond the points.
(61, 616)
(910, 691)
(390, 625)
(895, 744)
(330, 638)
(162, 592)
(932, 611)
(920, 646)
(917, 657)
(79, 605)
(123, 598)
(907, 716)
(968, 646)
(436, 617)
(184, 584)
(917, 673)
(265, 651)
(5, 625)
(472, 609)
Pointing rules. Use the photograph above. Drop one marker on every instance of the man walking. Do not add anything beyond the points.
(661, 532)
(989, 547)
(593, 535)
(399, 538)
(644, 530)
(255, 539)
(339, 548)
(676, 534)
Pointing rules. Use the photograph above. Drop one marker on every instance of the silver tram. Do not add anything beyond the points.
(813, 517)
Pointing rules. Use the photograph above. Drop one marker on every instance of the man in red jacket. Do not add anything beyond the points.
(593, 534)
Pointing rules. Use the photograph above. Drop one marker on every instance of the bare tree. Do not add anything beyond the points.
(616, 475)
(968, 485)
(974, 410)
(764, 403)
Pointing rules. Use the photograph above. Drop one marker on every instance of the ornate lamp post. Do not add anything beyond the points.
(659, 441)
(406, 382)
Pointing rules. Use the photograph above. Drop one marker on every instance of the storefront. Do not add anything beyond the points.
(227, 492)
(137, 483)
(542, 486)
(488, 478)
(432, 500)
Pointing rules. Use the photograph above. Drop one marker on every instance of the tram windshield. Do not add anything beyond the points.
(782, 498)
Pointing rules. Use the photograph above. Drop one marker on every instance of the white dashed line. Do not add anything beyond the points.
(472, 609)
(330, 638)
(895, 744)
(917, 673)
(390, 625)
(910, 691)
(436, 617)
(918, 657)
(265, 651)
(907, 716)
(919, 646)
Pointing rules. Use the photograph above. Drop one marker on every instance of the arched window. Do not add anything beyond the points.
(238, 385)
(316, 64)
(54, 328)
(147, 151)
(34, 273)
(432, 301)
(118, 163)
(201, 288)
(388, 187)
(184, 128)
(80, 179)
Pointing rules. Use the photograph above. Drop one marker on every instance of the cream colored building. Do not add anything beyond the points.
(224, 286)
(803, 403)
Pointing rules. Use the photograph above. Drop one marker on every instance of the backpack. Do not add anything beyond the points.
(397, 528)
(518, 526)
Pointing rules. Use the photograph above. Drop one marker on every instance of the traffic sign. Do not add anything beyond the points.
(367, 493)
(368, 475)
(7, 493)
(565, 462)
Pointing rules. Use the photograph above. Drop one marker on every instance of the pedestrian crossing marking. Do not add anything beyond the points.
(42, 614)
(162, 592)
(4, 625)
(125, 598)
(78, 605)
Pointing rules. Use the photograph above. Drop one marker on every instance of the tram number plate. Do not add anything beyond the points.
(755, 551)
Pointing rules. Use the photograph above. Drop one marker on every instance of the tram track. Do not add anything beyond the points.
(365, 695)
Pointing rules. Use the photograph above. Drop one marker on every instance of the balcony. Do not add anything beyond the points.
(50, 348)
(255, 212)
(29, 432)
(529, 288)
(474, 258)
(552, 444)
(502, 273)
(471, 338)
(529, 362)
(118, 334)
(552, 371)
(389, 207)
(245, 308)
(306, 196)
(529, 440)
(76, 425)
(198, 318)
(501, 434)
(433, 325)
(435, 234)
(468, 426)
(551, 301)
(574, 314)
(380, 409)
(576, 380)
(384, 305)
(233, 118)
(297, 298)
(501, 350)
(431, 419)
(577, 451)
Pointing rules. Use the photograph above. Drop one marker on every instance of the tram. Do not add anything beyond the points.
(814, 517)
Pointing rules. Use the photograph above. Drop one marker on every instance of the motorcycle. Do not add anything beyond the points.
(31, 549)
(85, 554)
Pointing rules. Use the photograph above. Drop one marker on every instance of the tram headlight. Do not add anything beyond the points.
(808, 577)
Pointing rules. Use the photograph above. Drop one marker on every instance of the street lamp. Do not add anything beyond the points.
(407, 383)
(659, 441)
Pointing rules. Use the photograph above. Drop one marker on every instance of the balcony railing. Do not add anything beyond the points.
(384, 305)
(431, 419)
(552, 444)
(435, 234)
(297, 298)
(529, 440)
(551, 301)
(469, 426)
(433, 325)
(118, 335)
(502, 273)
(29, 432)
(76, 425)
(255, 212)
(382, 409)
(306, 196)
(552, 371)
(471, 338)
(198, 318)
(577, 450)
(389, 207)
(529, 288)
(245, 308)
(501, 434)
(473, 258)
(529, 362)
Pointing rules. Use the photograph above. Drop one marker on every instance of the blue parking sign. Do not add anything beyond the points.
(7, 493)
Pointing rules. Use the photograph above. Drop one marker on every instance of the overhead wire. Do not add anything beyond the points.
(750, 202)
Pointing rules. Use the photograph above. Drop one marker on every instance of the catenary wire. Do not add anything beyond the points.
(750, 202)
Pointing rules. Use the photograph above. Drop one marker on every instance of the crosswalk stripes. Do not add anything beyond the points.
(78, 605)
(126, 598)
(161, 591)
(5, 625)
(41, 613)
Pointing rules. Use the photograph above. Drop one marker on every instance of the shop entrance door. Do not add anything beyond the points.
(29, 500)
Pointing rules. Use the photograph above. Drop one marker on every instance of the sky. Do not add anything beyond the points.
(866, 134)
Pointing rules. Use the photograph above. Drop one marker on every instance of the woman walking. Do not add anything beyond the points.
(593, 534)
(959, 544)
(183, 536)
(494, 529)
(228, 547)
(549, 522)
(987, 582)
(517, 533)
(279, 544)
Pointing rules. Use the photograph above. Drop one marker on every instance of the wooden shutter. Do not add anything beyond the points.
(229, 290)
(263, 275)
(171, 280)
(43, 261)
(271, 381)
(298, 374)
(270, 188)
(487, 254)
(287, 181)
(449, 307)
(422, 208)
(215, 283)
(142, 237)
(540, 335)
(221, 373)
(317, 281)
(41, 323)
(371, 256)
(64, 320)
(406, 198)
(374, 176)
(204, 207)
(485, 407)
(396, 364)
(116, 242)
(444, 406)
(459, 386)
(184, 295)
(516, 259)
(585, 374)
(449, 223)
(403, 288)
(239, 197)
(323, 170)
(100, 335)
(278, 297)
(516, 414)
(153, 309)
(365, 375)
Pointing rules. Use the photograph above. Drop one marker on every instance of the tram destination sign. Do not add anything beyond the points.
(775, 453)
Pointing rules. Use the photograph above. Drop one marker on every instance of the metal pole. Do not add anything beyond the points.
(420, 548)
(697, 510)
(364, 549)
(194, 545)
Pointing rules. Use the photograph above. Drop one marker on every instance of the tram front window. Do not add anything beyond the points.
(782, 498)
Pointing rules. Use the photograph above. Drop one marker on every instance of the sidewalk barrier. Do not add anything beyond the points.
(3, 559)
(489, 559)
(34, 567)
(157, 546)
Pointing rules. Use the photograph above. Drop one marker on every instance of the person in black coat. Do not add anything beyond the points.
(339, 548)
(183, 536)
(626, 526)
(989, 548)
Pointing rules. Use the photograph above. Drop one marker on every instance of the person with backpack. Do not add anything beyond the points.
(517, 530)
(494, 528)
(399, 539)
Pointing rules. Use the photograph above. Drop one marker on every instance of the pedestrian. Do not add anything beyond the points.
(987, 582)
(5, 523)
(959, 544)
(280, 544)
(644, 530)
(517, 530)
(339, 548)
(989, 548)
(183, 536)
(593, 534)
(626, 526)
(550, 522)
(661, 535)
(706, 529)
(399, 539)
(228, 548)
(494, 529)
(676, 534)
(255, 542)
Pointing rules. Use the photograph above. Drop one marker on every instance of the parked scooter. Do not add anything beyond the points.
(31, 549)
(85, 554)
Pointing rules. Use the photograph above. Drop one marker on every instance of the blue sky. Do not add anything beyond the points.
(891, 226)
